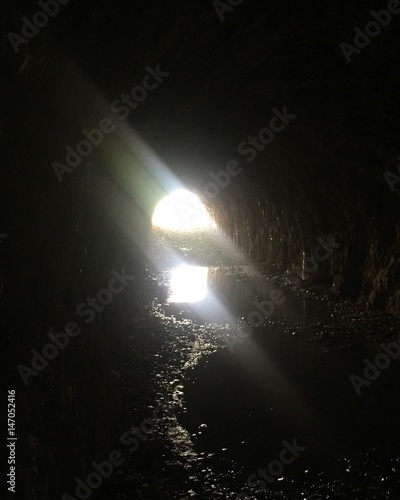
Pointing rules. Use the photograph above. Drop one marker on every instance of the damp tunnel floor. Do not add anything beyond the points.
(238, 398)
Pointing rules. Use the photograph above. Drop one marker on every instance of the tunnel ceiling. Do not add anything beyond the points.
(226, 80)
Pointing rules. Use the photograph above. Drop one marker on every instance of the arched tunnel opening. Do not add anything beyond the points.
(199, 250)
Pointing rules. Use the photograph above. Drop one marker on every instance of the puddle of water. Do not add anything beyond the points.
(224, 294)
(289, 380)
(240, 406)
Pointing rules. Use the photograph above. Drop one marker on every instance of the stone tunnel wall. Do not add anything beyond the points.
(364, 261)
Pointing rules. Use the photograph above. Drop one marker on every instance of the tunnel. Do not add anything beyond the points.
(243, 341)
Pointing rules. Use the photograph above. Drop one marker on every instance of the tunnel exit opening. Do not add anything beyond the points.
(187, 231)
(182, 210)
(183, 239)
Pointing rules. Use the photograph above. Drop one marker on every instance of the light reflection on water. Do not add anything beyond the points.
(311, 370)
(193, 295)
(188, 284)
(194, 283)
(223, 294)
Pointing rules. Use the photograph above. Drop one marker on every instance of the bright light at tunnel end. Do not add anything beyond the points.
(182, 210)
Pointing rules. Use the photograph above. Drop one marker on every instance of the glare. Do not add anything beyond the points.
(188, 284)
(181, 210)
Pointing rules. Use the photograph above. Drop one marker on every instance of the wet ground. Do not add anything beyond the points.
(252, 363)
